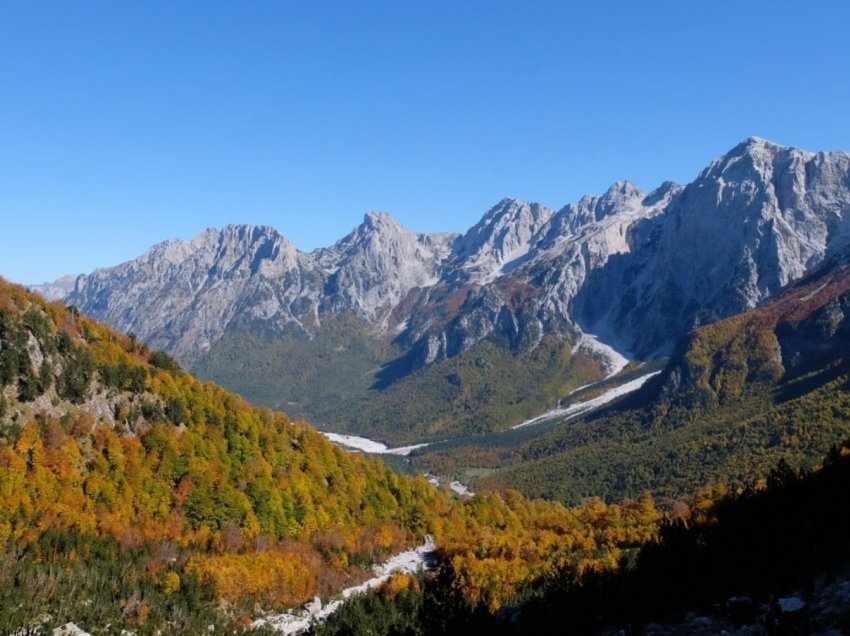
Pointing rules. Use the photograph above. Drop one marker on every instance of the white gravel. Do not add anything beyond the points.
(369, 446)
(583, 407)
(299, 620)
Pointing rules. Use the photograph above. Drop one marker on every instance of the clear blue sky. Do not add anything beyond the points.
(126, 123)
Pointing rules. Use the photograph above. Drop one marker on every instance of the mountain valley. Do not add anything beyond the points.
(135, 497)
(410, 337)
(736, 398)
(619, 382)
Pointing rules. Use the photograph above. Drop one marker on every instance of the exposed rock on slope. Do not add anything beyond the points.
(753, 221)
(371, 269)
(637, 269)
(801, 330)
(182, 295)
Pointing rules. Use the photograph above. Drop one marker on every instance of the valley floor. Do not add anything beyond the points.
(580, 408)
(369, 446)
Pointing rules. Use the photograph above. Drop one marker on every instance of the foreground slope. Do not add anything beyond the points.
(133, 496)
(773, 558)
(104, 442)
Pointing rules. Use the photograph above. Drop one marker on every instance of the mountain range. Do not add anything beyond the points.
(735, 399)
(346, 335)
(170, 504)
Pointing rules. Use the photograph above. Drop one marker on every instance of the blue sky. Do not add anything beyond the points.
(126, 123)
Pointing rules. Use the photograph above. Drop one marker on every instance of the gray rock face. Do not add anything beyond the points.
(182, 295)
(582, 238)
(638, 269)
(501, 241)
(58, 289)
(752, 222)
(373, 268)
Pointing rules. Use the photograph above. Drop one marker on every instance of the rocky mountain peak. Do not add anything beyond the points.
(506, 212)
(623, 191)
(256, 249)
(182, 295)
(623, 200)
(755, 159)
(501, 239)
(377, 220)
(378, 263)
(754, 220)
(620, 196)
(378, 230)
(636, 268)
(755, 144)
(753, 152)
(663, 194)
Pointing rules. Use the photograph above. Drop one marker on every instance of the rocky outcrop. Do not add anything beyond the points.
(181, 296)
(374, 267)
(753, 221)
(638, 269)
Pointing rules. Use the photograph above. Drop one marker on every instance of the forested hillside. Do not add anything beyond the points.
(333, 378)
(736, 398)
(134, 496)
(771, 558)
(141, 483)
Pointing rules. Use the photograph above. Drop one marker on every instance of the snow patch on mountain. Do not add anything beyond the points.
(613, 360)
(70, 629)
(579, 408)
(460, 489)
